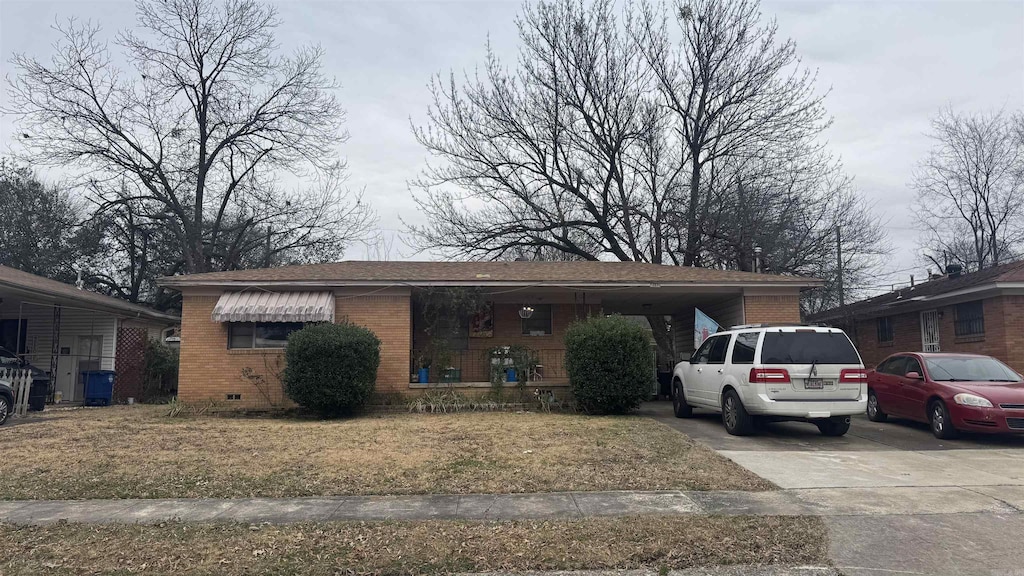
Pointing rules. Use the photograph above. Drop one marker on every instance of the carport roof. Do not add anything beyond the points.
(32, 287)
(483, 273)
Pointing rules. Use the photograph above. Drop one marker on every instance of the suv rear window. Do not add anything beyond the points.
(808, 348)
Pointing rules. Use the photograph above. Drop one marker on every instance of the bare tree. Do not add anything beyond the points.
(563, 153)
(209, 134)
(627, 140)
(736, 92)
(970, 189)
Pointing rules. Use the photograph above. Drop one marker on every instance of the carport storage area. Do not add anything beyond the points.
(65, 331)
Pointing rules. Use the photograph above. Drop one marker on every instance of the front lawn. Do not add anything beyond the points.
(435, 547)
(137, 452)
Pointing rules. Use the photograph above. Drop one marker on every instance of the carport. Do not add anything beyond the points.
(63, 330)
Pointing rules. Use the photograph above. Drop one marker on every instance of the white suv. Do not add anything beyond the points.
(774, 373)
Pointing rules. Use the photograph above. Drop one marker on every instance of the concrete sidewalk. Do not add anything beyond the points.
(813, 502)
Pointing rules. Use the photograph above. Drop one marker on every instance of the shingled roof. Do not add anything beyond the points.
(888, 303)
(485, 273)
(42, 288)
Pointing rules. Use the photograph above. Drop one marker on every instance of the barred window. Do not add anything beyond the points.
(970, 319)
(885, 331)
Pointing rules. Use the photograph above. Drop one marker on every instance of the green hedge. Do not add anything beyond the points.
(331, 368)
(610, 362)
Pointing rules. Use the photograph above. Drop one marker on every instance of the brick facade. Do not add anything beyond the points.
(771, 309)
(209, 371)
(1003, 338)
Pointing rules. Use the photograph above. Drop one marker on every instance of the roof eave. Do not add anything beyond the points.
(127, 310)
(801, 283)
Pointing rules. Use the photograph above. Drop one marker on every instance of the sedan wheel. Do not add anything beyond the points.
(875, 413)
(941, 423)
(5, 408)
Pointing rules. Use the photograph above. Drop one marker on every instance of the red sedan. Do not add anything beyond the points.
(951, 392)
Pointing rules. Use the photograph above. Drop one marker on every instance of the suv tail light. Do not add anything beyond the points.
(853, 375)
(769, 376)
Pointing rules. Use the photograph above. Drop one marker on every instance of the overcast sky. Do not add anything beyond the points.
(890, 66)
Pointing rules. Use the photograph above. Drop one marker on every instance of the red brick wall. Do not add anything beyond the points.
(771, 309)
(1003, 338)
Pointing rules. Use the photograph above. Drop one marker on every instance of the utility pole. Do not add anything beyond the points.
(839, 264)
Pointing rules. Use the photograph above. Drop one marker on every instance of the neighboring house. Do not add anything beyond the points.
(981, 312)
(235, 324)
(63, 330)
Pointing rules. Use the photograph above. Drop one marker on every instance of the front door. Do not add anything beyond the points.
(930, 331)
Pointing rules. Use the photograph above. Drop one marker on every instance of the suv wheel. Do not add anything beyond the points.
(836, 426)
(5, 409)
(679, 405)
(941, 423)
(734, 416)
(875, 413)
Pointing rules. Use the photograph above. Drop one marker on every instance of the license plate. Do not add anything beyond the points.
(814, 384)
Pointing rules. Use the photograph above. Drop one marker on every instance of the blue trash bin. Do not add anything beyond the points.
(99, 387)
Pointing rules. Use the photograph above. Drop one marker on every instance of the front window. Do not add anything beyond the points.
(260, 334)
(970, 319)
(539, 323)
(969, 369)
(885, 331)
(808, 348)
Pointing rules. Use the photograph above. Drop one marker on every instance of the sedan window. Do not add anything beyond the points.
(969, 369)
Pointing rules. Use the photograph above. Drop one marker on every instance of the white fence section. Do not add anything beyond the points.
(21, 380)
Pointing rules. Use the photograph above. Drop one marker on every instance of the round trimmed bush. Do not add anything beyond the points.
(610, 362)
(331, 368)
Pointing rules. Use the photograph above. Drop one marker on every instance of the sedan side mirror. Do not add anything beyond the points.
(913, 376)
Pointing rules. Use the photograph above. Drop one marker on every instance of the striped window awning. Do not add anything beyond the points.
(261, 306)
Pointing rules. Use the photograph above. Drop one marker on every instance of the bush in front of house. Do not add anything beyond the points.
(331, 368)
(610, 361)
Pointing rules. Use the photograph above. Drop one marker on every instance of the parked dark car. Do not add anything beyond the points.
(6, 401)
(9, 359)
(950, 392)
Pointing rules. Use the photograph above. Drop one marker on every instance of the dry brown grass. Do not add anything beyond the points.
(411, 547)
(135, 452)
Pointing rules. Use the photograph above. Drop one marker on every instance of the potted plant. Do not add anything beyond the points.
(423, 361)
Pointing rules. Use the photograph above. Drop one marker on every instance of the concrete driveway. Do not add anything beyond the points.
(900, 467)
(897, 453)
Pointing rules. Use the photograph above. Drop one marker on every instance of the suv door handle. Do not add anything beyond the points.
(720, 371)
(699, 369)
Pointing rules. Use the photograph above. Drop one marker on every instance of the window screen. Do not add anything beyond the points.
(538, 324)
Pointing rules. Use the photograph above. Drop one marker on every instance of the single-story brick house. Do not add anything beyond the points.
(235, 324)
(981, 312)
(62, 330)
